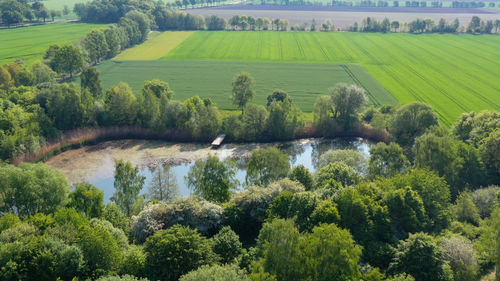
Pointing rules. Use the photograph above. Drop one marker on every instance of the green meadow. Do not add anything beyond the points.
(30, 43)
(59, 4)
(453, 73)
(303, 81)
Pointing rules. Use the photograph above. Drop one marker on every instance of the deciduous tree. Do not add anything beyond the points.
(386, 160)
(68, 59)
(266, 166)
(243, 91)
(163, 186)
(213, 179)
(176, 251)
(128, 183)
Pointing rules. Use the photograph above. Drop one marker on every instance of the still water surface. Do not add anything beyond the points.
(95, 164)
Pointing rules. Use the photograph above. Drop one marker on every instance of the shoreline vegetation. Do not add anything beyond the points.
(91, 136)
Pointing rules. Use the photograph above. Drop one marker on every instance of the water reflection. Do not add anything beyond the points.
(301, 152)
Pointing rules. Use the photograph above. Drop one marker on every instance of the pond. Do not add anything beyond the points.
(95, 164)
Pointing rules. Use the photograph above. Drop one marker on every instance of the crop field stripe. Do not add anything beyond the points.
(410, 57)
(156, 47)
(368, 92)
(435, 72)
(320, 46)
(484, 79)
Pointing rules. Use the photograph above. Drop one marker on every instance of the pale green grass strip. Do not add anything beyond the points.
(158, 45)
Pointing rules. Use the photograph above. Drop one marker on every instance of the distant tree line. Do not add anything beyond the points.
(108, 11)
(14, 12)
(476, 26)
(379, 3)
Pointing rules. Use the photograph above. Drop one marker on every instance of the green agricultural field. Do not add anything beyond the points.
(453, 73)
(30, 43)
(157, 45)
(304, 81)
(59, 4)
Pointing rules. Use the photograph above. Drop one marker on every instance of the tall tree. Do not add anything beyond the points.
(266, 166)
(163, 186)
(87, 199)
(243, 91)
(90, 80)
(113, 41)
(96, 46)
(121, 105)
(254, 120)
(410, 121)
(347, 101)
(128, 183)
(322, 121)
(386, 160)
(153, 100)
(420, 256)
(11, 12)
(213, 179)
(31, 188)
(288, 255)
(301, 174)
(41, 73)
(176, 251)
(68, 59)
(64, 105)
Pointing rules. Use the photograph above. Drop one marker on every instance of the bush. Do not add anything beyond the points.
(247, 210)
(227, 245)
(195, 212)
(175, 251)
(134, 262)
(420, 256)
(338, 171)
(216, 273)
(351, 157)
(122, 278)
(459, 253)
(301, 174)
(117, 233)
(484, 199)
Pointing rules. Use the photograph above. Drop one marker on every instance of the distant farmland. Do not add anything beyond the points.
(342, 17)
(303, 81)
(30, 43)
(453, 73)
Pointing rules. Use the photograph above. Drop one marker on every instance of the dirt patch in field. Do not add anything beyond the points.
(343, 17)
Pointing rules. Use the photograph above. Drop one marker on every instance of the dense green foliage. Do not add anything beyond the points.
(173, 252)
(266, 166)
(417, 209)
(213, 179)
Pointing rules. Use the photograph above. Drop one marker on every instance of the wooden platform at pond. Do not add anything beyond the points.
(218, 141)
